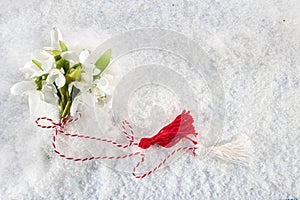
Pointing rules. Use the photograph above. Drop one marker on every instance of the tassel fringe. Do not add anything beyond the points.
(238, 151)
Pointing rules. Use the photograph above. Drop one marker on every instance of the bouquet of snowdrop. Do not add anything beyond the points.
(62, 77)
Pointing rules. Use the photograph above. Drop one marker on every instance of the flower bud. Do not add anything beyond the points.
(75, 74)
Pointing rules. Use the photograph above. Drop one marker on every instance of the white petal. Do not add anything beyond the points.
(97, 92)
(60, 81)
(55, 37)
(81, 86)
(38, 73)
(40, 55)
(70, 56)
(56, 76)
(84, 99)
(88, 99)
(22, 88)
(48, 65)
(88, 66)
(29, 67)
(70, 86)
(84, 55)
(74, 106)
(34, 99)
(102, 83)
(62, 71)
(52, 76)
(50, 94)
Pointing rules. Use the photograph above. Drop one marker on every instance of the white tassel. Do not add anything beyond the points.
(238, 151)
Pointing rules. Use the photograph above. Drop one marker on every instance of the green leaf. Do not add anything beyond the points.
(38, 83)
(38, 64)
(62, 63)
(104, 60)
(63, 46)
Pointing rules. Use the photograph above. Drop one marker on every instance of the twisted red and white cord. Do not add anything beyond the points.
(60, 129)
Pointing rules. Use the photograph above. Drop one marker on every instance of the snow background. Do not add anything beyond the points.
(258, 44)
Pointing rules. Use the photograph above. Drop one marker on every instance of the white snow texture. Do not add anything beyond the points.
(258, 46)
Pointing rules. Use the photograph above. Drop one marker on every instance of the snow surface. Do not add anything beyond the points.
(257, 47)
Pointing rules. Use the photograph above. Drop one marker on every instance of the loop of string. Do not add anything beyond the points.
(47, 123)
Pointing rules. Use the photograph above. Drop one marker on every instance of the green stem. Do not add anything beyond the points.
(66, 109)
(65, 101)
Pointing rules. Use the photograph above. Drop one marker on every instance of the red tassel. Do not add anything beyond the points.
(171, 134)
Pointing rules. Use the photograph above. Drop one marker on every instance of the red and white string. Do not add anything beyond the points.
(60, 129)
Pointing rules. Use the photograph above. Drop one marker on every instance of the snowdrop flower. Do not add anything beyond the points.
(27, 88)
(42, 58)
(41, 64)
(44, 63)
(49, 94)
(56, 76)
(87, 72)
(73, 57)
(70, 56)
(96, 92)
(98, 88)
(62, 77)
(56, 37)
(84, 99)
(102, 86)
(42, 68)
